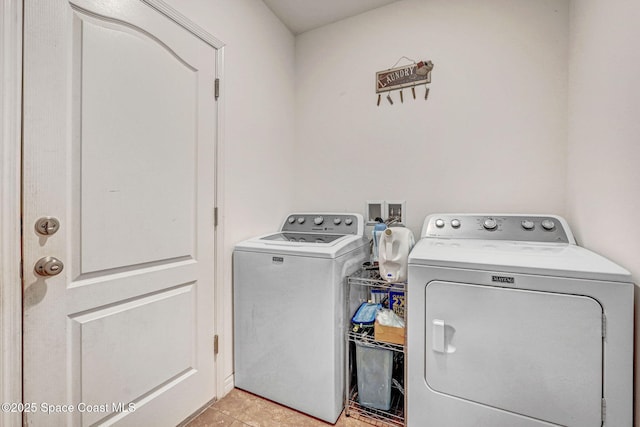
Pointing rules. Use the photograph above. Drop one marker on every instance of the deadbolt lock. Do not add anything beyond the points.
(48, 266)
(47, 225)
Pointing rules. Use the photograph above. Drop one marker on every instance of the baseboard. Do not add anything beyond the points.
(228, 385)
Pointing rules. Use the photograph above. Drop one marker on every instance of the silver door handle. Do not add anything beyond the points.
(48, 266)
(47, 225)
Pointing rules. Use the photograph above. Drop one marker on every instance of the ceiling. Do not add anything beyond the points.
(304, 15)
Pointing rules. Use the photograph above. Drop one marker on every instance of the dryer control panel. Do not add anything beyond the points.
(526, 228)
(324, 222)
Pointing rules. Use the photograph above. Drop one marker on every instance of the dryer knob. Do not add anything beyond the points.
(348, 221)
(337, 221)
(439, 223)
(455, 223)
(548, 225)
(301, 220)
(291, 219)
(490, 224)
(318, 220)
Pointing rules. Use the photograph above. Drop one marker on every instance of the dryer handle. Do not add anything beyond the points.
(438, 338)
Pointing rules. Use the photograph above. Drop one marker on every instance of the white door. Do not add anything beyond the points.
(537, 354)
(119, 145)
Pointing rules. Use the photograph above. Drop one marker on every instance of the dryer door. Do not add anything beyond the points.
(537, 354)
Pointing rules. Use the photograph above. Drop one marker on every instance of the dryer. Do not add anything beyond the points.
(289, 291)
(511, 324)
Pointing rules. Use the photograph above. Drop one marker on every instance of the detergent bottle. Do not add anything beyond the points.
(393, 253)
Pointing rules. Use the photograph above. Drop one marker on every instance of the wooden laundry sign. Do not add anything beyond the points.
(401, 77)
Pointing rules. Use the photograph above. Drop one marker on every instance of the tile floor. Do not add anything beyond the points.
(241, 409)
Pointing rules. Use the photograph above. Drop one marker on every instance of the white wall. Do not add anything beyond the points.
(491, 136)
(603, 173)
(258, 126)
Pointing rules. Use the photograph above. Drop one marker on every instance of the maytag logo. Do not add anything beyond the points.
(277, 260)
(503, 279)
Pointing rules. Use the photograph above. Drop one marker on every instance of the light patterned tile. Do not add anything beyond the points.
(214, 418)
(264, 413)
(242, 409)
(236, 402)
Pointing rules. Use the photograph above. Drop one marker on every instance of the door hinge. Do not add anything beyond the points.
(604, 410)
(215, 344)
(216, 88)
(604, 326)
(215, 216)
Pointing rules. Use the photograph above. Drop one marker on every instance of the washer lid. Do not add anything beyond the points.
(312, 246)
(314, 238)
(550, 259)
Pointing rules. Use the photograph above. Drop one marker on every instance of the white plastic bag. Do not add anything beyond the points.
(387, 317)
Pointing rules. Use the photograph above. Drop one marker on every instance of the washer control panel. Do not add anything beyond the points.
(326, 223)
(532, 228)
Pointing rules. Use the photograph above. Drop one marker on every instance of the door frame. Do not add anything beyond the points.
(10, 208)
(11, 198)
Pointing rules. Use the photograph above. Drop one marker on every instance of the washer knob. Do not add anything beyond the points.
(455, 223)
(439, 223)
(348, 221)
(527, 224)
(291, 219)
(318, 220)
(301, 220)
(548, 225)
(337, 221)
(490, 224)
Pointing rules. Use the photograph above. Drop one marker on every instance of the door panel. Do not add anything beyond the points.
(119, 145)
(138, 150)
(149, 342)
(537, 354)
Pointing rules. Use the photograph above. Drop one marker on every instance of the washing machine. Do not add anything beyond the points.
(289, 291)
(511, 324)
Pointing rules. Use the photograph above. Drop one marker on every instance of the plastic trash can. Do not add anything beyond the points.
(374, 366)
